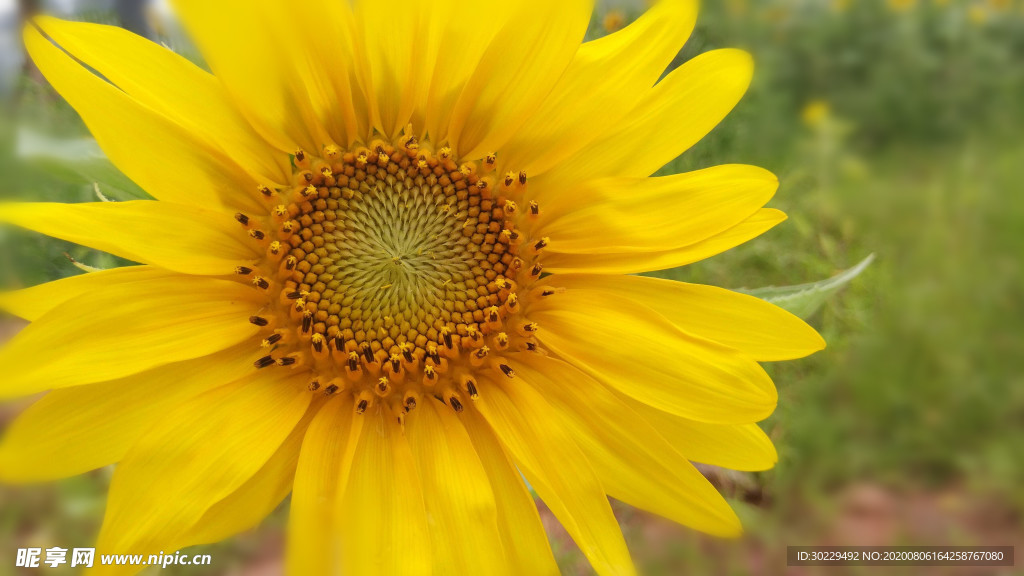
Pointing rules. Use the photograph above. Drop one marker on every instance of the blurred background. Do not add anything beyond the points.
(897, 129)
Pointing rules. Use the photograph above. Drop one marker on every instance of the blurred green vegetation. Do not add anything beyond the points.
(896, 129)
(897, 133)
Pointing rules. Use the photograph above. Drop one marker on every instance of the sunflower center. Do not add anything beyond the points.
(392, 254)
(392, 268)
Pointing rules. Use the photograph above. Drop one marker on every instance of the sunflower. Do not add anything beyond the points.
(386, 270)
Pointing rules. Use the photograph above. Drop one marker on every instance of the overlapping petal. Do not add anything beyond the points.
(522, 535)
(543, 448)
(324, 464)
(635, 262)
(156, 77)
(603, 83)
(635, 463)
(173, 236)
(74, 430)
(461, 511)
(630, 348)
(175, 165)
(271, 70)
(677, 113)
(516, 72)
(197, 456)
(757, 328)
(621, 215)
(246, 507)
(457, 44)
(124, 330)
(318, 42)
(385, 521)
(733, 446)
(33, 302)
(396, 38)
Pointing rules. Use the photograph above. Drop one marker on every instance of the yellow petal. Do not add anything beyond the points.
(197, 456)
(760, 330)
(172, 236)
(460, 43)
(383, 518)
(544, 450)
(161, 156)
(522, 535)
(735, 446)
(632, 349)
(320, 50)
(632, 262)
(516, 72)
(170, 85)
(462, 516)
(603, 83)
(395, 36)
(635, 464)
(323, 469)
(320, 54)
(74, 430)
(677, 113)
(653, 214)
(124, 330)
(31, 303)
(246, 507)
(253, 50)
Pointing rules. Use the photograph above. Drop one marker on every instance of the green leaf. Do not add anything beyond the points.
(806, 299)
(77, 160)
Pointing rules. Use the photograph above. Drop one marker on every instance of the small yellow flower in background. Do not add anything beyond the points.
(387, 270)
(840, 6)
(816, 112)
(978, 15)
(613, 21)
